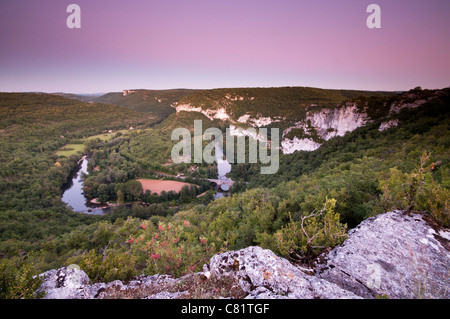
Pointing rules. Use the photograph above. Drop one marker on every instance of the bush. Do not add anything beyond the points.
(108, 266)
(17, 280)
(438, 203)
(304, 239)
(171, 249)
(417, 190)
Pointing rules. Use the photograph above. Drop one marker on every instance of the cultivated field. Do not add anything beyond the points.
(157, 186)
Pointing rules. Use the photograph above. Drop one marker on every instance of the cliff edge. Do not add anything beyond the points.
(398, 255)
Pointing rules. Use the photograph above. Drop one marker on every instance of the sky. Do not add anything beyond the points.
(201, 44)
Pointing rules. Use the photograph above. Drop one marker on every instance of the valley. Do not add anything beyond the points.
(345, 156)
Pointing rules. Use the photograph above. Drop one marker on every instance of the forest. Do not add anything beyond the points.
(300, 212)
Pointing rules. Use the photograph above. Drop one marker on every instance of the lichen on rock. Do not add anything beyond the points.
(396, 254)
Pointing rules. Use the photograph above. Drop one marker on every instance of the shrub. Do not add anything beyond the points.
(17, 280)
(436, 200)
(107, 267)
(303, 239)
(171, 249)
(417, 190)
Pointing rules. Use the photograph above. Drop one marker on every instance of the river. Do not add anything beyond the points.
(223, 168)
(73, 191)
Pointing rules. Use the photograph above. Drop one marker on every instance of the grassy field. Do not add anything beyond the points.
(106, 136)
(73, 149)
(70, 149)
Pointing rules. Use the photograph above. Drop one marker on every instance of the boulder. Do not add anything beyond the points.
(262, 274)
(65, 283)
(396, 255)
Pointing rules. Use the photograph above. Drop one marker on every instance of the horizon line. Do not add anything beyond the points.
(218, 88)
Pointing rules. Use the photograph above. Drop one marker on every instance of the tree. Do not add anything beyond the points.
(302, 240)
(103, 193)
(417, 190)
(208, 197)
(133, 190)
(17, 280)
(185, 193)
(120, 197)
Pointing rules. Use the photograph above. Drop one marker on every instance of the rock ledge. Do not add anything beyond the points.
(396, 254)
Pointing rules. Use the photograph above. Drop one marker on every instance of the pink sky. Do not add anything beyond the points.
(215, 43)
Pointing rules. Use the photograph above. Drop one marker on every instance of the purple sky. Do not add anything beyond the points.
(216, 43)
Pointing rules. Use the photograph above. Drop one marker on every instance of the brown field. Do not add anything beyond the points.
(157, 186)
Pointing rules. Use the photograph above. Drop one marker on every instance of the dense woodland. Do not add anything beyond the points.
(156, 102)
(303, 210)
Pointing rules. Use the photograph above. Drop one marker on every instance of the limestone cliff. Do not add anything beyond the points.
(319, 124)
(324, 125)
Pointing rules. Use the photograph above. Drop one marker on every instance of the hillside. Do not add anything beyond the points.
(242, 108)
(283, 108)
(375, 154)
(413, 118)
(33, 127)
(155, 102)
(280, 107)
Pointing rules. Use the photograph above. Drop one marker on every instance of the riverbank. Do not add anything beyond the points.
(95, 201)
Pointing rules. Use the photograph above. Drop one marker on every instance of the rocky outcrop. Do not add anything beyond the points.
(66, 283)
(289, 146)
(396, 254)
(262, 274)
(218, 114)
(388, 124)
(127, 92)
(318, 125)
(251, 132)
(326, 124)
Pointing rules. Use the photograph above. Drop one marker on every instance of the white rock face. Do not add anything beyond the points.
(388, 124)
(328, 123)
(337, 122)
(234, 98)
(127, 92)
(298, 144)
(398, 254)
(239, 131)
(219, 114)
(396, 107)
(413, 100)
(187, 108)
(244, 118)
(261, 121)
